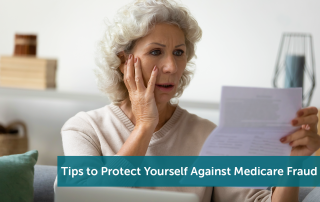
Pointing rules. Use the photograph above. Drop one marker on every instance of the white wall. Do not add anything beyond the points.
(239, 45)
(241, 41)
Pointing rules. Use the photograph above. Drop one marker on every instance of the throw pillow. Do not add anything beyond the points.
(16, 176)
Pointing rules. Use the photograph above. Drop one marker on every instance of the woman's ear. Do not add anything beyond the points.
(123, 58)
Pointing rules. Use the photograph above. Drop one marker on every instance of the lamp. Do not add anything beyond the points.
(295, 65)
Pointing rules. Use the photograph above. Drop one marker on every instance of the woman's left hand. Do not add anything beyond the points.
(306, 140)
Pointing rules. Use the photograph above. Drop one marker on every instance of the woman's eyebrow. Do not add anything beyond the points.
(164, 45)
(180, 45)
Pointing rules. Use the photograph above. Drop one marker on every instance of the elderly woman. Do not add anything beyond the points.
(144, 62)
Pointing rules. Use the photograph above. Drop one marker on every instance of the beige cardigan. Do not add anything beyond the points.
(103, 132)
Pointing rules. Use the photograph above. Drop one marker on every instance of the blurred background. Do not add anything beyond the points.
(239, 48)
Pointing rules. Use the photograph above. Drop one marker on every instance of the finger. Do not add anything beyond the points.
(300, 142)
(310, 142)
(130, 74)
(152, 80)
(295, 136)
(307, 111)
(138, 75)
(124, 75)
(311, 119)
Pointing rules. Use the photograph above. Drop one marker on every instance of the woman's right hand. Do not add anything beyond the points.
(142, 98)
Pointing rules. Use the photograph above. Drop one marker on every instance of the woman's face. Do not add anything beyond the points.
(165, 48)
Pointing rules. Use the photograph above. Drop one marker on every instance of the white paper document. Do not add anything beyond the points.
(252, 121)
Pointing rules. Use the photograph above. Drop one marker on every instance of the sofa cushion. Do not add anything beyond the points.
(16, 176)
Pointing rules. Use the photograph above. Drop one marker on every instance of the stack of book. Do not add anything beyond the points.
(27, 72)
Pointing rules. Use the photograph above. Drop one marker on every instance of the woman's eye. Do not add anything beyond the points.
(178, 52)
(155, 52)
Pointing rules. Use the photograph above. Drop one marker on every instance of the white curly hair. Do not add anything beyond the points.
(134, 21)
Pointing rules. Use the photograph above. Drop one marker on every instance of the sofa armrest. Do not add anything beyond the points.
(44, 177)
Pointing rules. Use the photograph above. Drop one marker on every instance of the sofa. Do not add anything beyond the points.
(44, 177)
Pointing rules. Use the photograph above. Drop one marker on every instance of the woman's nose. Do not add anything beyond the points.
(169, 66)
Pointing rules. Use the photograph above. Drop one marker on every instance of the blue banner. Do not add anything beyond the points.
(172, 171)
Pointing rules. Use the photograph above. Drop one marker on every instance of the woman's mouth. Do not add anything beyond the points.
(165, 87)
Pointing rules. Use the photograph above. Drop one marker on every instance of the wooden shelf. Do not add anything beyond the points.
(56, 94)
(51, 94)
